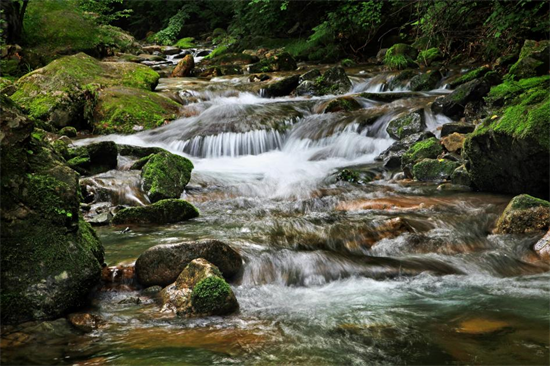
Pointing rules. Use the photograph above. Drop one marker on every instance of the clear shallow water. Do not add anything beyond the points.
(392, 272)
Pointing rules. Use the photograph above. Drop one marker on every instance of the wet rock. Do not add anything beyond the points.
(138, 151)
(279, 62)
(426, 81)
(258, 78)
(170, 50)
(461, 177)
(151, 290)
(453, 142)
(387, 97)
(200, 290)
(533, 60)
(233, 59)
(220, 70)
(401, 79)
(333, 81)
(450, 187)
(458, 127)
(151, 49)
(118, 274)
(165, 175)
(281, 87)
(184, 67)
(452, 105)
(101, 219)
(50, 257)
(392, 155)
(434, 169)
(161, 264)
(162, 212)
(85, 322)
(94, 158)
(542, 247)
(406, 125)
(347, 104)
(524, 214)
(311, 75)
(469, 76)
(400, 56)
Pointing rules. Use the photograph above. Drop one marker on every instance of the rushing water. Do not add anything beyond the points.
(391, 272)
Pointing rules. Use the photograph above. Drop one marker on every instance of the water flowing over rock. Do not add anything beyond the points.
(200, 290)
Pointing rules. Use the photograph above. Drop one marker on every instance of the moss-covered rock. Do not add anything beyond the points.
(94, 158)
(125, 110)
(333, 81)
(68, 131)
(400, 80)
(461, 177)
(429, 56)
(281, 87)
(162, 264)
(510, 153)
(41, 227)
(525, 91)
(406, 125)
(200, 290)
(138, 151)
(469, 76)
(64, 92)
(400, 56)
(425, 149)
(533, 60)
(452, 105)
(434, 169)
(162, 212)
(426, 81)
(280, 62)
(524, 214)
(165, 175)
(347, 104)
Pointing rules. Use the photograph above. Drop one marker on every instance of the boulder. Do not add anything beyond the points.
(280, 62)
(311, 75)
(453, 142)
(452, 105)
(162, 264)
(162, 212)
(165, 175)
(94, 158)
(281, 87)
(524, 214)
(434, 169)
(347, 104)
(184, 67)
(533, 60)
(426, 81)
(50, 257)
(392, 155)
(457, 127)
(200, 290)
(68, 131)
(461, 177)
(400, 56)
(406, 125)
(138, 151)
(333, 81)
(429, 148)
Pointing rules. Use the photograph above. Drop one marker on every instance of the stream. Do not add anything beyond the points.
(386, 272)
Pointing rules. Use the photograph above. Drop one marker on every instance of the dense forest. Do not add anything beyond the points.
(274, 182)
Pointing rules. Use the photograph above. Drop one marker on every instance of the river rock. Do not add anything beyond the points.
(138, 151)
(68, 131)
(533, 60)
(161, 264)
(184, 67)
(524, 214)
(94, 158)
(333, 81)
(165, 175)
(426, 149)
(453, 142)
(461, 177)
(401, 80)
(50, 257)
(542, 247)
(426, 81)
(63, 92)
(166, 211)
(458, 127)
(311, 75)
(281, 87)
(469, 76)
(406, 125)
(200, 290)
(434, 169)
(392, 155)
(347, 104)
(85, 322)
(170, 50)
(452, 105)
(279, 62)
(152, 49)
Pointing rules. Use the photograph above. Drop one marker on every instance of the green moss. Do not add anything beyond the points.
(165, 175)
(210, 294)
(187, 42)
(68, 131)
(52, 197)
(469, 76)
(347, 62)
(280, 62)
(220, 50)
(426, 57)
(526, 201)
(511, 92)
(162, 212)
(429, 148)
(434, 169)
(400, 56)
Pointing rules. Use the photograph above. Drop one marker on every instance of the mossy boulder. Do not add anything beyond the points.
(469, 76)
(426, 149)
(280, 62)
(345, 104)
(50, 257)
(400, 56)
(533, 60)
(165, 175)
(525, 91)
(126, 110)
(524, 214)
(162, 264)
(392, 155)
(429, 56)
(94, 158)
(200, 290)
(333, 81)
(426, 81)
(429, 170)
(452, 105)
(281, 87)
(406, 125)
(167, 211)
(460, 177)
(510, 153)
(64, 92)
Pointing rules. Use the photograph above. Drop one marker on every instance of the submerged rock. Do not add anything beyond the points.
(406, 125)
(85, 322)
(162, 212)
(200, 290)
(161, 264)
(50, 257)
(524, 214)
(165, 175)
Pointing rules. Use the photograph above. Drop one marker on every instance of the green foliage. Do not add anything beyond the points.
(187, 42)
(170, 34)
(398, 57)
(426, 57)
(104, 11)
(347, 175)
(210, 294)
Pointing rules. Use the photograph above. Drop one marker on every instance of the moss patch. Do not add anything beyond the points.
(161, 212)
(469, 76)
(400, 56)
(427, 57)
(434, 169)
(165, 175)
(429, 148)
(210, 294)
